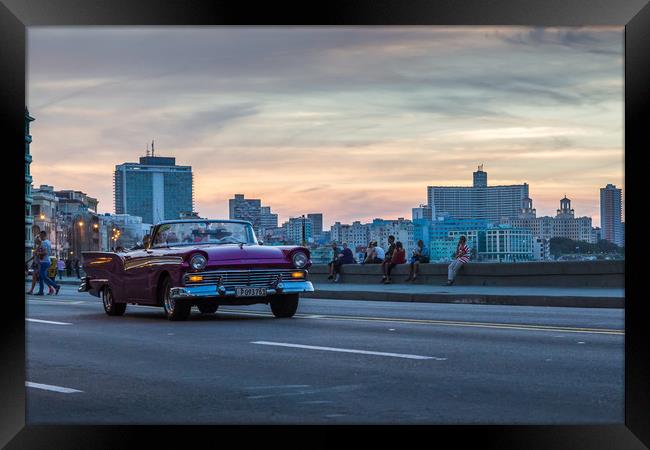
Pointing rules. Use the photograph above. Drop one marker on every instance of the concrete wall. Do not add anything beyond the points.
(559, 274)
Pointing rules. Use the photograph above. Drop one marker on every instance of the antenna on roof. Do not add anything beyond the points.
(152, 148)
(147, 153)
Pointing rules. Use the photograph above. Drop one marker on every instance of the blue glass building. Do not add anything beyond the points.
(155, 189)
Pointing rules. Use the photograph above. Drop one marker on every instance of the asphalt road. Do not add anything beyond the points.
(336, 361)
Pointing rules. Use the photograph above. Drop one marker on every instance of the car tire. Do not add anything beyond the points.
(174, 310)
(284, 306)
(208, 308)
(110, 306)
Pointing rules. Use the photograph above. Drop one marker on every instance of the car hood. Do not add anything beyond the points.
(228, 252)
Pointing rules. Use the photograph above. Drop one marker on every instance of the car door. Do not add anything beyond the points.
(137, 271)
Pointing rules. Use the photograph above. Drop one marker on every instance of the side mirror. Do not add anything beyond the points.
(260, 242)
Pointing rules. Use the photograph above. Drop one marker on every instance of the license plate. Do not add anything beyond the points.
(250, 292)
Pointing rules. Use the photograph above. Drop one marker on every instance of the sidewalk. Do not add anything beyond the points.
(492, 295)
(575, 297)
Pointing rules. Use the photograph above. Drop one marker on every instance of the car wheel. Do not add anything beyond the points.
(208, 308)
(110, 306)
(174, 310)
(284, 305)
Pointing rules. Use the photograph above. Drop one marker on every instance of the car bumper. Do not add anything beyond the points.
(215, 291)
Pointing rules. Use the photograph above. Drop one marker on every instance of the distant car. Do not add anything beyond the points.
(199, 262)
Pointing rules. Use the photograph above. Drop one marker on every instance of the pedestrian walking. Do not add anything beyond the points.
(345, 257)
(35, 264)
(398, 257)
(76, 268)
(60, 267)
(462, 257)
(420, 256)
(68, 267)
(387, 256)
(43, 253)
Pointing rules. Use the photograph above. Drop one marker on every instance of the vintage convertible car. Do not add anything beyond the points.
(199, 262)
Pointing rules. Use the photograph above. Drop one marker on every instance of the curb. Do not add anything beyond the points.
(475, 299)
(472, 299)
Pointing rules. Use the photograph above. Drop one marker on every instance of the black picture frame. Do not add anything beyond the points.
(16, 15)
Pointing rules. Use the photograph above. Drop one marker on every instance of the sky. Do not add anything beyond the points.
(353, 122)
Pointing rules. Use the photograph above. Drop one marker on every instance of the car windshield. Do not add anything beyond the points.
(203, 232)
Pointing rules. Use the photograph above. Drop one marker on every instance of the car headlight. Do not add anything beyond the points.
(299, 260)
(198, 262)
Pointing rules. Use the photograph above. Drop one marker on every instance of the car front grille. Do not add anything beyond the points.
(232, 278)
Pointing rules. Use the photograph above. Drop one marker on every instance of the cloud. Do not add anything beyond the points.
(354, 120)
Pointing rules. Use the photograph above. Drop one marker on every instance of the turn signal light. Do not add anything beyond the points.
(297, 274)
(196, 278)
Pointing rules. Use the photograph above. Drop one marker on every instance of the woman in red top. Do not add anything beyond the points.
(399, 257)
(462, 257)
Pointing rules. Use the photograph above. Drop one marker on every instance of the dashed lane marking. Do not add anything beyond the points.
(50, 387)
(347, 350)
(52, 322)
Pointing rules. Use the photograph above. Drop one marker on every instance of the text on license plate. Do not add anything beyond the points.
(250, 292)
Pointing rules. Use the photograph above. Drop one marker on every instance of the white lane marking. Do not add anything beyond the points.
(280, 386)
(47, 321)
(346, 350)
(58, 302)
(49, 387)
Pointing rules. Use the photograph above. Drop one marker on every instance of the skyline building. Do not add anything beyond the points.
(155, 189)
(294, 230)
(564, 224)
(268, 220)
(611, 214)
(317, 222)
(479, 201)
(422, 212)
(29, 236)
(250, 209)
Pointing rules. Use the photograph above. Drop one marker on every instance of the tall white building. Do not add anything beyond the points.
(478, 201)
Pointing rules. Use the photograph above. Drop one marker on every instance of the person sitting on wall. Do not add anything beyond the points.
(420, 256)
(388, 255)
(398, 257)
(375, 254)
(462, 257)
(335, 255)
(345, 257)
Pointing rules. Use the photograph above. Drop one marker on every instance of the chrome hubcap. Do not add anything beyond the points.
(169, 302)
(108, 301)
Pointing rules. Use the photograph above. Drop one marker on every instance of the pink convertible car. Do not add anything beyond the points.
(199, 262)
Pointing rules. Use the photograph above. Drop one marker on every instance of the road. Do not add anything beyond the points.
(347, 362)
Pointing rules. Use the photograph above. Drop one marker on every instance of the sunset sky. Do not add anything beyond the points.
(353, 122)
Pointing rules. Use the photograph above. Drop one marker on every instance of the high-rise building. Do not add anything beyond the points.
(297, 229)
(268, 220)
(317, 221)
(478, 201)
(250, 209)
(155, 189)
(356, 235)
(611, 214)
(29, 236)
(422, 212)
